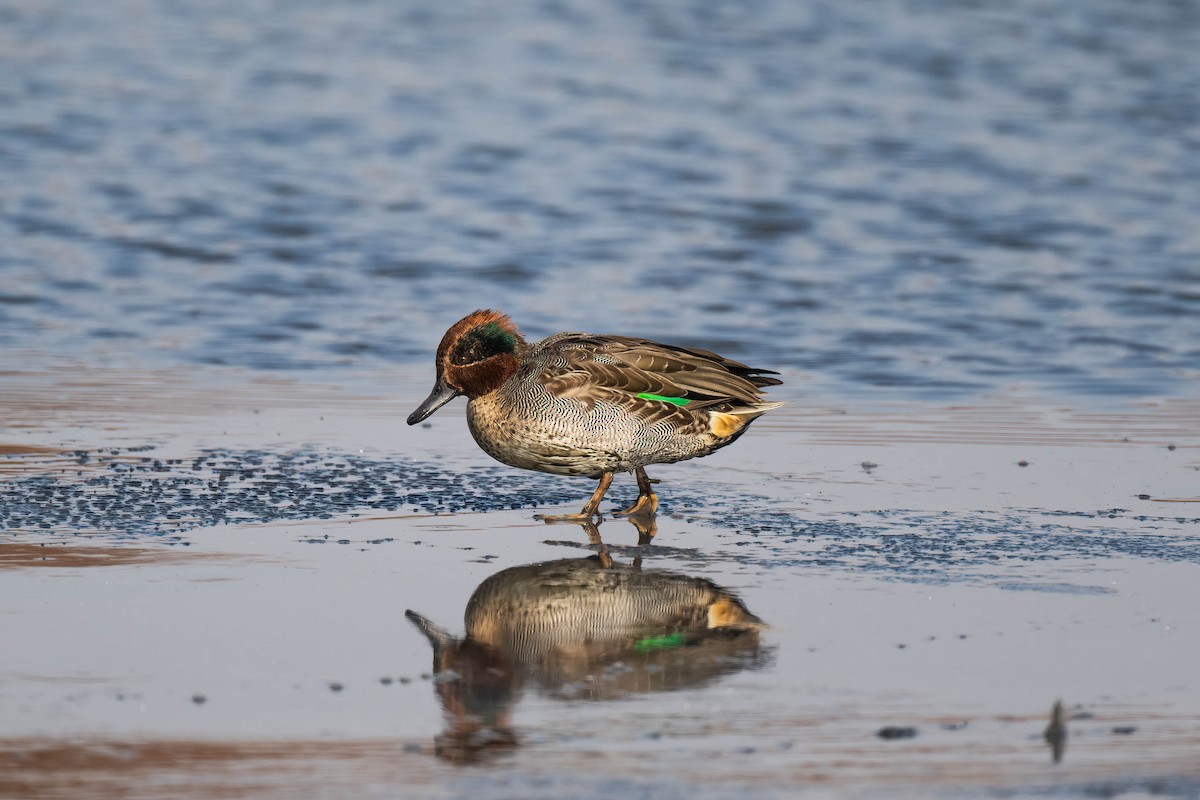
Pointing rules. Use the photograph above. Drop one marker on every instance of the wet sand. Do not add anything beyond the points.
(918, 580)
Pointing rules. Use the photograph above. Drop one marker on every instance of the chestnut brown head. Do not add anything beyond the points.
(478, 354)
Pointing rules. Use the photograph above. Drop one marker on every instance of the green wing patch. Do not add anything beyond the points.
(659, 642)
(678, 401)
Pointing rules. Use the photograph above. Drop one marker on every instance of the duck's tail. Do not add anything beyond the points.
(730, 613)
(731, 423)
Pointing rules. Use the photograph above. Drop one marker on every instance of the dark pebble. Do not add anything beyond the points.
(386, 681)
(1022, 463)
(1124, 730)
(896, 732)
(335, 687)
(199, 699)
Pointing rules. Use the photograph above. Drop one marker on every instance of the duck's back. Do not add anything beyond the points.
(539, 611)
(584, 405)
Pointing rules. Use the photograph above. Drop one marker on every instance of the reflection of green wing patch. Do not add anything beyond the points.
(679, 401)
(658, 642)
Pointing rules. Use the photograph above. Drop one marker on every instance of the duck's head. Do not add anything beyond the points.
(476, 355)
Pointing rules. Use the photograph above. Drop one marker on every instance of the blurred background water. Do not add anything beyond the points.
(921, 199)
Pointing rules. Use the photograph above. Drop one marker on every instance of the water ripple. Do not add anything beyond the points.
(928, 201)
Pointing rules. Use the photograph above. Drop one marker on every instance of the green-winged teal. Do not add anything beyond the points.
(581, 628)
(592, 405)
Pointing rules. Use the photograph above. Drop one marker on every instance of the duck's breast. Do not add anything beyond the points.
(534, 429)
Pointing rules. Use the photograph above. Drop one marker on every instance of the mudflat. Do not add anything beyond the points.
(204, 591)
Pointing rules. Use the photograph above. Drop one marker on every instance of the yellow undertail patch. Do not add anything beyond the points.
(725, 612)
(725, 425)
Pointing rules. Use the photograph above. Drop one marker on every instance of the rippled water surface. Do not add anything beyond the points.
(232, 233)
(932, 198)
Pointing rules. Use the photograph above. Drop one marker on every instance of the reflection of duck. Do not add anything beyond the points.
(581, 404)
(578, 629)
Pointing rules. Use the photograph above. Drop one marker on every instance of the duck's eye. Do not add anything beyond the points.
(481, 343)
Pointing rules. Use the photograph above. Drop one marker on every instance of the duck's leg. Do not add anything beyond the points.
(589, 508)
(647, 501)
(593, 532)
(647, 527)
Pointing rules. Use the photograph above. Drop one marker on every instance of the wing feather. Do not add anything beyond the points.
(582, 365)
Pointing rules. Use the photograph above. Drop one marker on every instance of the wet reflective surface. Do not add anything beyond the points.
(231, 235)
(580, 629)
(928, 598)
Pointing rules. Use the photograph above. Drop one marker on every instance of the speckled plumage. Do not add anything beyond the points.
(580, 628)
(538, 611)
(570, 403)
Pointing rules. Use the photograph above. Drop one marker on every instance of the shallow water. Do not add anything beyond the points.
(231, 235)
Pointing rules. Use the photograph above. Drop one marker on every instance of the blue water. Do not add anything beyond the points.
(922, 199)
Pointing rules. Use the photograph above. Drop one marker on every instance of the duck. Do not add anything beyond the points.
(592, 405)
(571, 611)
(580, 629)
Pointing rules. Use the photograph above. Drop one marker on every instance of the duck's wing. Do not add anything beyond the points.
(584, 365)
